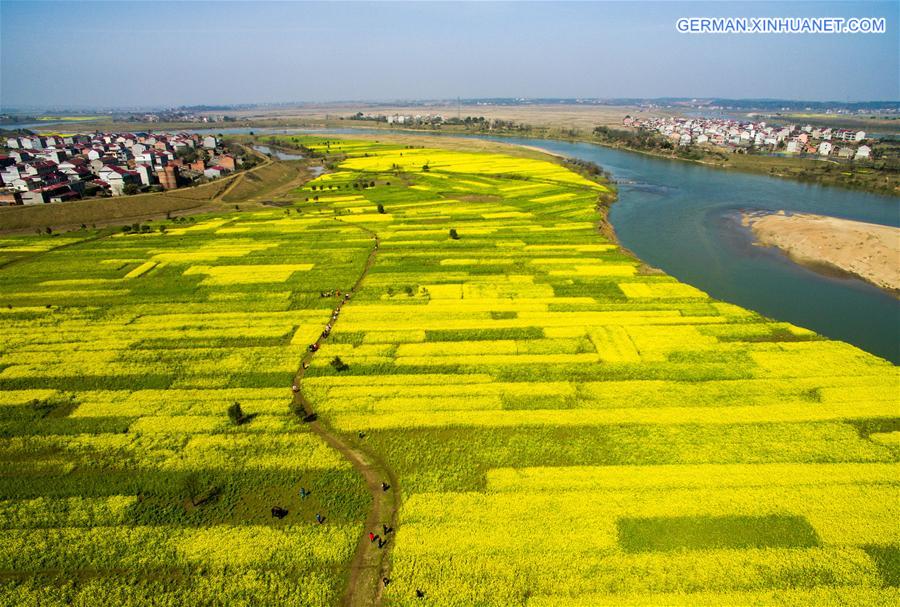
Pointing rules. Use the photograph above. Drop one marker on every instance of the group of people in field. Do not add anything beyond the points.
(279, 512)
(380, 539)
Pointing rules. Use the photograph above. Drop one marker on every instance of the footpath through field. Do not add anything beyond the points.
(370, 563)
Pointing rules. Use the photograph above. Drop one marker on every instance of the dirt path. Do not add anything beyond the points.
(67, 245)
(239, 178)
(302, 177)
(370, 563)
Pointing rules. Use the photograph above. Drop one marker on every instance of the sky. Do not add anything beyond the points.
(152, 54)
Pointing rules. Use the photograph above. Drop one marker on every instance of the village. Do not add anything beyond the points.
(39, 169)
(759, 137)
(400, 119)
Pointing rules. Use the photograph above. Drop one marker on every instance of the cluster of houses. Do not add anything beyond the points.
(176, 116)
(403, 119)
(37, 169)
(758, 136)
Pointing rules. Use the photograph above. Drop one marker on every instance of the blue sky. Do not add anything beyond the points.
(115, 54)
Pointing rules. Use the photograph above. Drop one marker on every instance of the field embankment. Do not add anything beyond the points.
(269, 179)
(866, 250)
(100, 211)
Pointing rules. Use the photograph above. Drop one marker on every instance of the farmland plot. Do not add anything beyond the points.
(566, 427)
(123, 479)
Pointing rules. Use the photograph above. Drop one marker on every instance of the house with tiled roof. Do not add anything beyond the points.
(118, 178)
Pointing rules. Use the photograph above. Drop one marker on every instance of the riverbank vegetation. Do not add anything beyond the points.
(881, 175)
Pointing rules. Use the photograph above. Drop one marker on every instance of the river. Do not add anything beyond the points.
(264, 149)
(683, 218)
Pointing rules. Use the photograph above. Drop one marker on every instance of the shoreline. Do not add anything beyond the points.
(832, 246)
(546, 135)
(608, 145)
(603, 225)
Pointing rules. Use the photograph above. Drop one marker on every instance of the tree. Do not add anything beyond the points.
(236, 414)
(130, 189)
(189, 154)
(453, 234)
(338, 364)
(381, 208)
(190, 486)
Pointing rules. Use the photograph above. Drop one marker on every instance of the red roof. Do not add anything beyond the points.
(115, 169)
(50, 188)
(43, 163)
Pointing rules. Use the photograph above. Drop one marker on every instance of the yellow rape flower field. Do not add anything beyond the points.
(565, 425)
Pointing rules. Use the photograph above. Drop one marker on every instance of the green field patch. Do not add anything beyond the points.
(663, 534)
(437, 335)
(887, 560)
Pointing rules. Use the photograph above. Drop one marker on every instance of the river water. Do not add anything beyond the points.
(683, 218)
(264, 149)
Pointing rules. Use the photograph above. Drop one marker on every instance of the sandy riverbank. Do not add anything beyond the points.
(866, 250)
